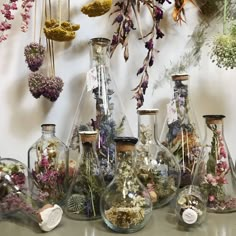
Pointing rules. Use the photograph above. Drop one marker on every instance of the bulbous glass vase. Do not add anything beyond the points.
(100, 109)
(190, 206)
(16, 195)
(125, 205)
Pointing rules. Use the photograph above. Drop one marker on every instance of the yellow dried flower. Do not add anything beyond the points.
(97, 8)
(60, 32)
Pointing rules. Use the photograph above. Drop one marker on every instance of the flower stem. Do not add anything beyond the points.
(225, 16)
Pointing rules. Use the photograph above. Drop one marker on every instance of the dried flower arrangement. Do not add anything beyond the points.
(182, 137)
(224, 45)
(217, 176)
(154, 171)
(51, 175)
(190, 206)
(12, 187)
(83, 197)
(127, 205)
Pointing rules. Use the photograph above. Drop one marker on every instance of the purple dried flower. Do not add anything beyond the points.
(149, 44)
(53, 88)
(34, 55)
(158, 13)
(18, 178)
(37, 82)
(159, 34)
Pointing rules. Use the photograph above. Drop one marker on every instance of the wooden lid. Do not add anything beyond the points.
(180, 77)
(147, 111)
(214, 119)
(88, 136)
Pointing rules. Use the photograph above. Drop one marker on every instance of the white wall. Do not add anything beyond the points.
(212, 89)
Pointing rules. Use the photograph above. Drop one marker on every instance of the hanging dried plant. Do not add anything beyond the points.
(97, 7)
(34, 55)
(56, 29)
(224, 45)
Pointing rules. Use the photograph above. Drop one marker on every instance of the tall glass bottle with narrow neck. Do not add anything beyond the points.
(157, 168)
(180, 133)
(48, 160)
(100, 108)
(83, 198)
(125, 204)
(216, 173)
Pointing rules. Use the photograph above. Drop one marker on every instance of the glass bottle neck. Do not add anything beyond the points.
(99, 52)
(147, 128)
(48, 131)
(214, 126)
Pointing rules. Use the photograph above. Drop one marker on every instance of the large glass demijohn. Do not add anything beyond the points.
(100, 108)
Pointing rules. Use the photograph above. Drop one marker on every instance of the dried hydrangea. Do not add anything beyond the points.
(37, 83)
(53, 88)
(34, 55)
(224, 51)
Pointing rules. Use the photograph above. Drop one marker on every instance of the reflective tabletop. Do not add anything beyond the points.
(163, 223)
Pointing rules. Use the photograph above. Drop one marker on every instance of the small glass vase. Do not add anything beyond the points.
(190, 206)
(16, 196)
(48, 160)
(216, 173)
(83, 198)
(100, 109)
(181, 134)
(125, 204)
(157, 168)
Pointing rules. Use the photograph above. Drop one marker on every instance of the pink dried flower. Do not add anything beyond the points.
(26, 6)
(34, 55)
(44, 162)
(18, 178)
(211, 198)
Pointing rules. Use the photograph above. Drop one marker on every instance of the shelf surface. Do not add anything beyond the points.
(162, 223)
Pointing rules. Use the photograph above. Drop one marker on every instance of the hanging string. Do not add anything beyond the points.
(43, 15)
(68, 2)
(35, 16)
(59, 11)
(225, 16)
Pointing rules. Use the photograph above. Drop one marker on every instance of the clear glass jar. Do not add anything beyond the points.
(100, 108)
(181, 134)
(157, 168)
(190, 206)
(16, 196)
(83, 198)
(48, 160)
(125, 204)
(216, 173)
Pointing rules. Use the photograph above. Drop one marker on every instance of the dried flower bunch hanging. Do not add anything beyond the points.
(34, 55)
(49, 86)
(58, 30)
(97, 7)
(224, 46)
(123, 12)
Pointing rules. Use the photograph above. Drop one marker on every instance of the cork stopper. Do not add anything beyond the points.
(214, 119)
(48, 127)
(181, 77)
(147, 111)
(49, 217)
(124, 144)
(88, 136)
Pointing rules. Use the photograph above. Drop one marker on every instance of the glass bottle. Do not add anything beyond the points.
(16, 196)
(180, 134)
(190, 207)
(216, 173)
(157, 168)
(83, 198)
(48, 160)
(100, 108)
(125, 204)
